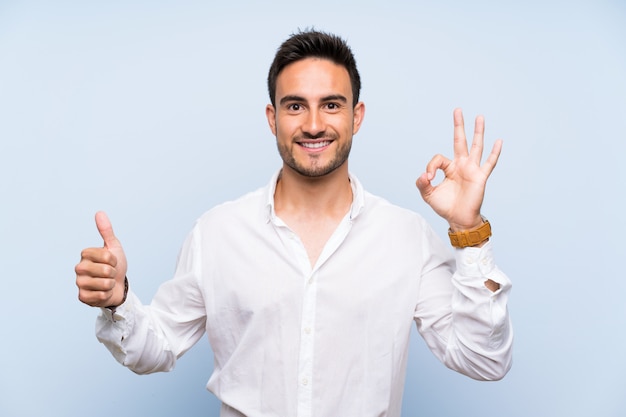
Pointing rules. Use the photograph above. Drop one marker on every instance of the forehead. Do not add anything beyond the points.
(313, 77)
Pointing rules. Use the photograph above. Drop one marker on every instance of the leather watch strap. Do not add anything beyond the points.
(473, 237)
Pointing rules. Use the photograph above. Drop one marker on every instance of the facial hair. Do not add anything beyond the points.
(314, 169)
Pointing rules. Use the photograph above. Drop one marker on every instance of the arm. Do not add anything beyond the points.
(464, 321)
(460, 195)
(464, 324)
(143, 338)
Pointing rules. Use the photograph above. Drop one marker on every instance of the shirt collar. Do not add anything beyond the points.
(358, 198)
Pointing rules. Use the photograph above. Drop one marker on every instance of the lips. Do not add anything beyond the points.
(315, 145)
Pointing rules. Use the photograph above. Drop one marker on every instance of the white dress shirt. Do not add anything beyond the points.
(330, 340)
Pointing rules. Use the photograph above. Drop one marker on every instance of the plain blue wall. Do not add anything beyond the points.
(154, 112)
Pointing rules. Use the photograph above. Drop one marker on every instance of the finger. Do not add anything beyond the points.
(98, 256)
(460, 141)
(92, 269)
(424, 186)
(95, 284)
(106, 230)
(493, 157)
(437, 162)
(95, 298)
(476, 152)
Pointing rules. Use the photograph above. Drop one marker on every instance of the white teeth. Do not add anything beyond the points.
(315, 145)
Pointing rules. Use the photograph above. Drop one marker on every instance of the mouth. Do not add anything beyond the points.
(315, 145)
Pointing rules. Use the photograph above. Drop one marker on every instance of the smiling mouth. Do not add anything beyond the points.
(315, 145)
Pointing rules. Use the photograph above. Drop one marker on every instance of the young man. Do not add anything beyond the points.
(308, 288)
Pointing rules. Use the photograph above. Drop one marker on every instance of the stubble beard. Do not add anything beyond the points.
(315, 169)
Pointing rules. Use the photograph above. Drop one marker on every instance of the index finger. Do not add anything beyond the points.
(98, 255)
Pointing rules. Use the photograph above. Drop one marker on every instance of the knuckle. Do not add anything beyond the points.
(109, 258)
(100, 297)
(109, 284)
(108, 271)
(87, 297)
(80, 283)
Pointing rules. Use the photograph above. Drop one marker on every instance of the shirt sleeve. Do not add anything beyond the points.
(466, 325)
(149, 338)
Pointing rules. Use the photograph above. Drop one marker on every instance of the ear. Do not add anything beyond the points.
(270, 113)
(357, 119)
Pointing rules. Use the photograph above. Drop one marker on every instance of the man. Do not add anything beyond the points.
(307, 288)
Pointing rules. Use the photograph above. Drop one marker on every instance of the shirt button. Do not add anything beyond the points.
(470, 261)
(305, 381)
(307, 330)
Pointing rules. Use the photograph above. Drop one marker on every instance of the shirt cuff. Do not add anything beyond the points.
(112, 328)
(110, 315)
(118, 313)
(475, 265)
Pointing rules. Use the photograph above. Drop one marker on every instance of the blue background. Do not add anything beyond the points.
(154, 112)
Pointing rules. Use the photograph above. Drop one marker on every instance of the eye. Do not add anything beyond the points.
(332, 106)
(294, 107)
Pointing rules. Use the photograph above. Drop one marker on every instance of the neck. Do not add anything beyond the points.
(330, 195)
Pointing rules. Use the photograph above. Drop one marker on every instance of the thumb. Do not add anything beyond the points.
(106, 230)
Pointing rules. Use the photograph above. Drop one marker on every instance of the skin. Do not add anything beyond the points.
(460, 195)
(314, 123)
(101, 271)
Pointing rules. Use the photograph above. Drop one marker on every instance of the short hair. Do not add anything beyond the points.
(312, 43)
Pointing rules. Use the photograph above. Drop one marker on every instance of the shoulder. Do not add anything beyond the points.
(247, 207)
(394, 219)
(376, 209)
(393, 226)
(379, 207)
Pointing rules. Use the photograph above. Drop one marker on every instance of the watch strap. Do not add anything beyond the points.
(473, 237)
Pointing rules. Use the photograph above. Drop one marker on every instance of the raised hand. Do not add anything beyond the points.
(101, 271)
(459, 196)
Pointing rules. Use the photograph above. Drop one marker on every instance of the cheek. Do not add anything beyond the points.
(285, 126)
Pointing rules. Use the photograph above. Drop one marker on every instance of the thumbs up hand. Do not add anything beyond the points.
(101, 271)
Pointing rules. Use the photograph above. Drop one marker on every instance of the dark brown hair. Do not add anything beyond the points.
(312, 43)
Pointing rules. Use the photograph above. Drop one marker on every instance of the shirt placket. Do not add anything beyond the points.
(307, 347)
(307, 324)
(307, 339)
(309, 302)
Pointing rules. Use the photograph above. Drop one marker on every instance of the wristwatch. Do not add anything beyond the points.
(465, 238)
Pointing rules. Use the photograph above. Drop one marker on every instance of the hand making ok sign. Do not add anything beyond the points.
(459, 196)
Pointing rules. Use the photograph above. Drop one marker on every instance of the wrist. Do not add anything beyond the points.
(461, 227)
(124, 295)
(473, 237)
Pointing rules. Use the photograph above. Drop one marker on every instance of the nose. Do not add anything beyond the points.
(314, 124)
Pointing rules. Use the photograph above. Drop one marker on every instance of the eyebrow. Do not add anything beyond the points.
(332, 97)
